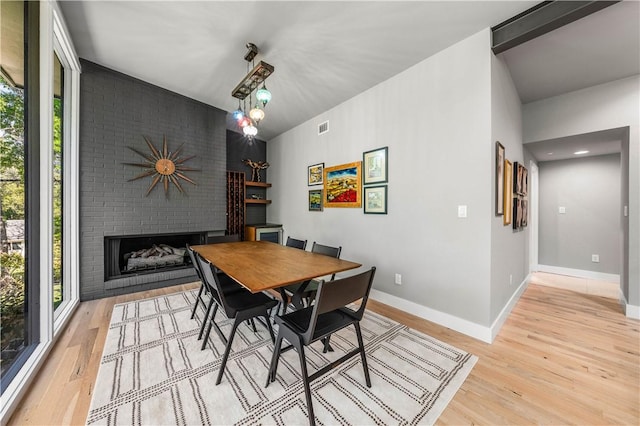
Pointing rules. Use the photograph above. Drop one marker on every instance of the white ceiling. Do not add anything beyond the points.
(326, 52)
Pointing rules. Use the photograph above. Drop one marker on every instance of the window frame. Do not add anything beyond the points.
(46, 25)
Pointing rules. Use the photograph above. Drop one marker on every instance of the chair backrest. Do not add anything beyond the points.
(216, 239)
(339, 293)
(295, 243)
(327, 251)
(209, 278)
(194, 262)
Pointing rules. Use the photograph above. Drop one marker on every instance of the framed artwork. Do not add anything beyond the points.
(375, 199)
(520, 179)
(374, 164)
(499, 179)
(525, 212)
(315, 200)
(315, 173)
(343, 185)
(508, 193)
(517, 213)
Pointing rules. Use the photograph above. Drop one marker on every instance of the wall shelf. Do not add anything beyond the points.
(257, 184)
(256, 201)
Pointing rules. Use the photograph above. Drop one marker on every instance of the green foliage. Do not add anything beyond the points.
(11, 128)
(11, 297)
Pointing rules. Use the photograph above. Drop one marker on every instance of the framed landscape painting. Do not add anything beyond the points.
(343, 185)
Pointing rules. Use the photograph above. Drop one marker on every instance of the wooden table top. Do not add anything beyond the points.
(262, 265)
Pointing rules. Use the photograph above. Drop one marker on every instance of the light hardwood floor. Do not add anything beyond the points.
(561, 358)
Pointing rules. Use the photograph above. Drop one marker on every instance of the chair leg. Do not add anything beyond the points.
(253, 325)
(227, 350)
(305, 379)
(205, 318)
(193, 313)
(211, 323)
(363, 357)
(266, 317)
(273, 368)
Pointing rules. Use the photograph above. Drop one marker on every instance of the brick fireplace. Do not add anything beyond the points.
(115, 112)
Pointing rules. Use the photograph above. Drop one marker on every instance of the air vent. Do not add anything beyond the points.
(323, 128)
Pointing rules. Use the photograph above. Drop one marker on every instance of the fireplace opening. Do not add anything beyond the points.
(146, 254)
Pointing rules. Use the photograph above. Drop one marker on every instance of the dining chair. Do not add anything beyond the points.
(305, 291)
(280, 294)
(330, 313)
(239, 306)
(210, 240)
(296, 243)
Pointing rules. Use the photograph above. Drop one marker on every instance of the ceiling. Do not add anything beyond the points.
(325, 52)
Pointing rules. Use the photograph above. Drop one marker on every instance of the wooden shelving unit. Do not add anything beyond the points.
(249, 183)
(235, 203)
(237, 200)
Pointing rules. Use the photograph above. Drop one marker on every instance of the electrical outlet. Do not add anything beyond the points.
(398, 279)
(595, 258)
(562, 210)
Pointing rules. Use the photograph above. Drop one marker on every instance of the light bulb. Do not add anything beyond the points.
(256, 114)
(244, 122)
(250, 130)
(263, 95)
(238, 115)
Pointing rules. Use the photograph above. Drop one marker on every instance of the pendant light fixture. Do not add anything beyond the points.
(255, 76)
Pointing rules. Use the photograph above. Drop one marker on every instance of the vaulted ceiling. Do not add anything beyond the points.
(327, 52)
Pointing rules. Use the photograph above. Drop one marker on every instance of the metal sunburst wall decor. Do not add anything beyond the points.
(166, 166)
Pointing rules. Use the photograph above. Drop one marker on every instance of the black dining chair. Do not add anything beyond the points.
(239, 306)
(281, 294)
(329, 314)
(210, 240)
(305, 291)
(296, 243)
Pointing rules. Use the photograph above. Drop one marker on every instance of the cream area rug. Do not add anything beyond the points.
(153, 373)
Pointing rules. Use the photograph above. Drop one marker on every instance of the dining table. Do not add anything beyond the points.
(264, 265)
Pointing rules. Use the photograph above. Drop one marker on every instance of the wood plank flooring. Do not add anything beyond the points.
(561, 358)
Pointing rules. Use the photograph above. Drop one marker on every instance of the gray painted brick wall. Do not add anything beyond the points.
(115, 112)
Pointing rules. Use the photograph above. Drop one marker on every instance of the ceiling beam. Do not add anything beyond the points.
(539, 20)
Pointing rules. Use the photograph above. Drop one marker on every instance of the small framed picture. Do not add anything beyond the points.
(315, 200)
(375, 199)
(499, 179)
(374, 166)
(508, 193)
(315, 174)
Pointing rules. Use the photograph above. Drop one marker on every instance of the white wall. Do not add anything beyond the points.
(436, 120)
(588, 189)
(509, 257)
(607, 106)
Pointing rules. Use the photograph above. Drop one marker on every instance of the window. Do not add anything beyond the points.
(14, 335)
(38, 188)
(58, 184)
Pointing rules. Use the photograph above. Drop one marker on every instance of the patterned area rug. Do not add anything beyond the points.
(154, 373)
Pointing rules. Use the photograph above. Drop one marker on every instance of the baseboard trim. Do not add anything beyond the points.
(580, 273)
(630, 311)
(441, 318)
(504, 314)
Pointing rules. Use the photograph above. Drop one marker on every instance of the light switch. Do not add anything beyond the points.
(562, 210)
(626, 211)
(462, 211)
